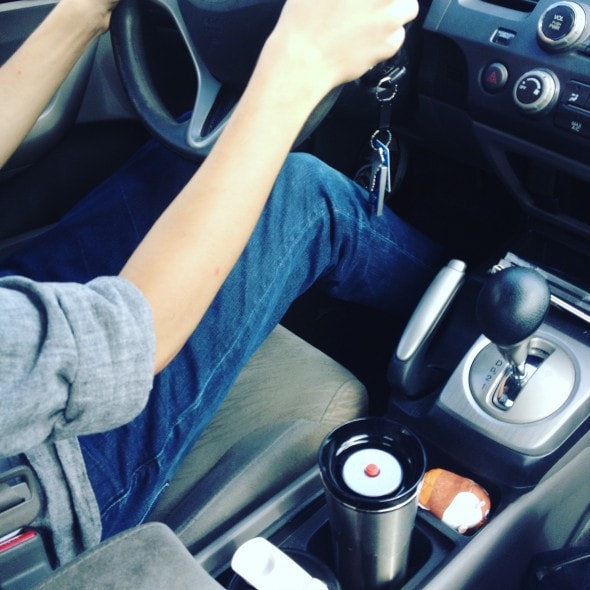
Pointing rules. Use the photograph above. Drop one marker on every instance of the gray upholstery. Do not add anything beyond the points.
(267, 432)
(149, 557)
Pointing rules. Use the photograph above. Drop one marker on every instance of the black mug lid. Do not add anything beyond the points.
(380, 434)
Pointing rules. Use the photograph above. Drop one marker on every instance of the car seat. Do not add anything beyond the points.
(265, 435)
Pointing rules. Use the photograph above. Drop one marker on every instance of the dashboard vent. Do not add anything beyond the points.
(520, 5)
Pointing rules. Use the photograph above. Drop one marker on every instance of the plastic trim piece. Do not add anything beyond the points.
(408, 372)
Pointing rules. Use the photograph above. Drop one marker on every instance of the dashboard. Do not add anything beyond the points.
(510, 81)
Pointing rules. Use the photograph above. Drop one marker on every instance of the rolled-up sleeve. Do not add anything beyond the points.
(74, 359)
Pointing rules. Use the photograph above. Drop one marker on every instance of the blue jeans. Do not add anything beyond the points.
(317, 228)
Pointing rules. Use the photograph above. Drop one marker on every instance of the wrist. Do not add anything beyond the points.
(90, 17)
(296, 71)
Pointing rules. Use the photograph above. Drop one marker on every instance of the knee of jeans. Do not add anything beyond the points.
(302, 167)
(317, 191)
(300, 182)
(308, 174)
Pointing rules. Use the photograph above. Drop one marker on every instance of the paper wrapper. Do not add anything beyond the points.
(457, 501)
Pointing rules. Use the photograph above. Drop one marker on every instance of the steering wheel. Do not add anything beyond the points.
(223, 39)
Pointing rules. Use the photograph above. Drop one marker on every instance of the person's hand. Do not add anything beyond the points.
(338, 41)
(33, 74)
(97, 12)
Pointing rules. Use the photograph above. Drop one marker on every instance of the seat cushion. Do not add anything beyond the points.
(148, 557)
(267, 433)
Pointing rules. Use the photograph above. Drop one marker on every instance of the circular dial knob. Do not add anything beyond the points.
(561, 26)
(536, 91)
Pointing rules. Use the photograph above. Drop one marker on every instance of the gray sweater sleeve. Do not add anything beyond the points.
(74, 359)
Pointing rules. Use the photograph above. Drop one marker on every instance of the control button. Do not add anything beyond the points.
(494, 77)
(576, 93)
(561, 26)
(573, 120)
(558, 22)
(503, 37)
(536, 91)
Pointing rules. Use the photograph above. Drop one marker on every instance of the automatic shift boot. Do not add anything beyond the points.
(518, 378)
(525, 383)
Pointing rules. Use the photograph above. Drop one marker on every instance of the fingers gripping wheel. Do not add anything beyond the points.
(223, 39)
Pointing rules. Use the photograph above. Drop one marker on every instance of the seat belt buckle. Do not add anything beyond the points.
(20, 499)
(23, 557)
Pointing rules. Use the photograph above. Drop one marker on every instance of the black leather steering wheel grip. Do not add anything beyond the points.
(223, 39)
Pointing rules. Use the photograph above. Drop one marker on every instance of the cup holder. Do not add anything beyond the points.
(421, 549)
(311, 547)
(314, 566)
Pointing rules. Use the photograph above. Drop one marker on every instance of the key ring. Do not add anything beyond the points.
(389, 82)
(375, 137)
(382, 87)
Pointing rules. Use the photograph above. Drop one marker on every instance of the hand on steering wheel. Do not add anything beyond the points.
(194, 137)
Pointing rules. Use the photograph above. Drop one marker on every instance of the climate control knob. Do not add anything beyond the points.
(561, 26)
(536, 91)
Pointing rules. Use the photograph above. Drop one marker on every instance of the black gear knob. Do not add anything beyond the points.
(511, 306)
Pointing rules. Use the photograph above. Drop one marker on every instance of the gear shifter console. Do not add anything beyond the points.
(533, 377)
(524, 382)
(511, 307)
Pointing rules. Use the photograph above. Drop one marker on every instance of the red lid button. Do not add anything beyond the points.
(372, 470)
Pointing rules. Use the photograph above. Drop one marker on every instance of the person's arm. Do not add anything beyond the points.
(30, 78)
(75, 359)
(185, 258)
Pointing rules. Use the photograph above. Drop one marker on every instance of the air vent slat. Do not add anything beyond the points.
(520, 5)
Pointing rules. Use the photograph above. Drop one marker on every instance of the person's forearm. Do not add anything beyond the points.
(186, 257)
(189, 252)
(30, 78)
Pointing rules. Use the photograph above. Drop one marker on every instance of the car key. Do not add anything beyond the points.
(380, 182)
(385, 92)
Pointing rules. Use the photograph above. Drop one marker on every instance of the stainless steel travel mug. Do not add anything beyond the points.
(371, 469)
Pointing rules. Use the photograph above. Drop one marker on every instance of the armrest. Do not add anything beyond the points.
(149, 557)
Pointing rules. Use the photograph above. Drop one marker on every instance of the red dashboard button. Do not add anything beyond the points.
(494, 77)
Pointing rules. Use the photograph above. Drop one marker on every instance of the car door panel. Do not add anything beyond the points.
(17, 21)
(70, 148)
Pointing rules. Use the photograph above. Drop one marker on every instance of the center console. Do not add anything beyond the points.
(297, 521)
(511, 412)
(509, 79)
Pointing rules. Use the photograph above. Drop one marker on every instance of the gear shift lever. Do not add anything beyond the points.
(487, 390)
(511, 306)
